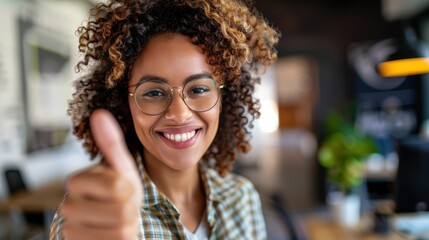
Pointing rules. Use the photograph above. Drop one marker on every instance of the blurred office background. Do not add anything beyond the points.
(328, 57)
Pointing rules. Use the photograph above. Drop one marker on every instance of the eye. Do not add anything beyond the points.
(199, 90)
(153, 93)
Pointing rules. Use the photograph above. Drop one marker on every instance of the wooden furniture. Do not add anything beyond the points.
(44, 199)
(322, 228)
(297, 91)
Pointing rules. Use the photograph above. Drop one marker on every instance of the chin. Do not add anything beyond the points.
(181, 163)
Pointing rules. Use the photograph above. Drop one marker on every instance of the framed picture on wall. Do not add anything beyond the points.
(46, 74)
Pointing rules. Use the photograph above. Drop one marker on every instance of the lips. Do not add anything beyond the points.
(179, 138)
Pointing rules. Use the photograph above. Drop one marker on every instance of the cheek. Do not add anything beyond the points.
(132, 104)
(213, 118)
(140, 122)
(134, 113)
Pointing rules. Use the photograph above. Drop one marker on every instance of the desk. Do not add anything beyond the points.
(322, 228)
(41, 200)
(45, 198)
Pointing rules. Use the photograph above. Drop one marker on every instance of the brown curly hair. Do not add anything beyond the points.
(234, 37)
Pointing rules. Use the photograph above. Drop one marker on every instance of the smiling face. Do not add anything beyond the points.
(177, 138)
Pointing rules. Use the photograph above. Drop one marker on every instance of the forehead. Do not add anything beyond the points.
(170, 56)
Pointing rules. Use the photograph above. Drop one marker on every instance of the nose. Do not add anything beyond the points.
(178, 111)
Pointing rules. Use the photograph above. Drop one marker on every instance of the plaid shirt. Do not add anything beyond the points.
(233, 210)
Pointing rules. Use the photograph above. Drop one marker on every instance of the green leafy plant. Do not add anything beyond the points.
(343, 153)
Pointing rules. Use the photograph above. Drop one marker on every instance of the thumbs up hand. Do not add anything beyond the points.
(103, 201)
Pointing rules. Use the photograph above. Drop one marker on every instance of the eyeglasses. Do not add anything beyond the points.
(154, 97)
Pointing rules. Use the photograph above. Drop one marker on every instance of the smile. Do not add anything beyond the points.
(180, 137)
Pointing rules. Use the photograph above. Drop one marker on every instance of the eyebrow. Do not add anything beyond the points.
(153, 78)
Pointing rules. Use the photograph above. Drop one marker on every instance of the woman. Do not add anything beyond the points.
(175, 80)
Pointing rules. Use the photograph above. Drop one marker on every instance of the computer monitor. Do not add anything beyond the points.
(412, 180)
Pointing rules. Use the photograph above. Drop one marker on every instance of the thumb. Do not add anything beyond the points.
(110, 140)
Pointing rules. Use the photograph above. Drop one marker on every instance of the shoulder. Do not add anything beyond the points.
(238, 206)
(230, 187)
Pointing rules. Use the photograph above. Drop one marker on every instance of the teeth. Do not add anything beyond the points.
(181, 137)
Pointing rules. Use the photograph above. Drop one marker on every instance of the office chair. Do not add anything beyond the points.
(15, 183)
(276, 202)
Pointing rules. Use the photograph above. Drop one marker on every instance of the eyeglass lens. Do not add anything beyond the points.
(154, 97)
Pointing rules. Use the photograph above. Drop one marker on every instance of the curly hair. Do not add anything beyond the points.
(233, 35)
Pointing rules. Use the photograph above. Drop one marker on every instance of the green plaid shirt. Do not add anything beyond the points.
(233, 210)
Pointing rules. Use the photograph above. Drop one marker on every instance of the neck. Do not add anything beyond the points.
(180, 187)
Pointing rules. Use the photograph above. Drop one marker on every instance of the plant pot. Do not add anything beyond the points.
(345, 209)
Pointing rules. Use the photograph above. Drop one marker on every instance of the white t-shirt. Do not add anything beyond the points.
(202, 232)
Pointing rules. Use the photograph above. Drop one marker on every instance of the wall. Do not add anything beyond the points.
(323, 31)
(402, 9)
(61, 18)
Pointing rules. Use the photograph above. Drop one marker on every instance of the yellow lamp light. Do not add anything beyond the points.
(404, 67)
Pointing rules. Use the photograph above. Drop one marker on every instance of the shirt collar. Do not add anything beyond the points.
(214, 185)
(151, 195)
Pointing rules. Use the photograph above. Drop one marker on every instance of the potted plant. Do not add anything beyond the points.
(342, 154)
